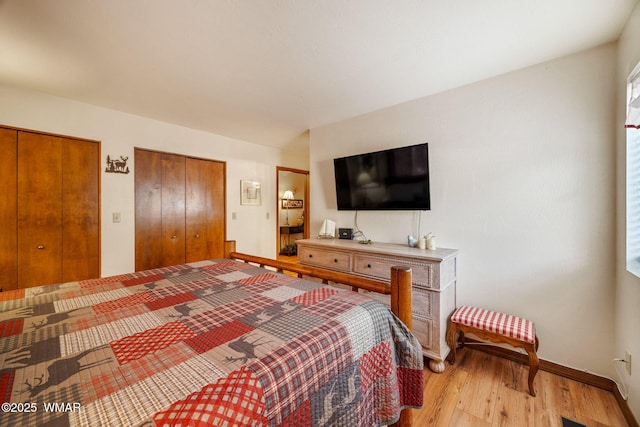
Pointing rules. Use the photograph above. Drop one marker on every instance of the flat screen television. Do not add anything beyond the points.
(395, 179)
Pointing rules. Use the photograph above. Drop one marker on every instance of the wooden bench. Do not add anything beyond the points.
(498, 328)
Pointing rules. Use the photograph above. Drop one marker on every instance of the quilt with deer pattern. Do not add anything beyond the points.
(217, 342)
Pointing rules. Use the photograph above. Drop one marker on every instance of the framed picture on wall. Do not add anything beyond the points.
(250, 193)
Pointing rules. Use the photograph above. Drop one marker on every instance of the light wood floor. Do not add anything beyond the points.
(483, 390)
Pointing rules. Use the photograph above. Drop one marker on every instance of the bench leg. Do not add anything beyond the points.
(451, 340)
(534, 364)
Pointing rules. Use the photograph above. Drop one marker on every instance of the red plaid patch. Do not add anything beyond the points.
(6, 385)
(314, 296)
(218, 336)
(140, 280)
(411, 383)
(170, 301)
(119, 303)
(11, 327)
(258, 278)
(376, 368)
(232, 401)
(300, 417)
(11, 295)
(376, 363)
(498, 323)
(138, 345)
(228, 266)
(104, 282)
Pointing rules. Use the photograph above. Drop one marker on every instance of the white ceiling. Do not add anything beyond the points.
(267, 71)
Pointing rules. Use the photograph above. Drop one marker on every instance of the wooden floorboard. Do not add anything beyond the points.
(487, 390)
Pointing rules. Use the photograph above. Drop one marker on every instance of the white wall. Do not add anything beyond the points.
(522, 172)
(628, 286)
(120, 133)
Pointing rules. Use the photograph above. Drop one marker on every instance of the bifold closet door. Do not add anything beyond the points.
(80, 210)
(49, 209)
(205, 209)
(148, 187)
(8, 210)
(180, 209)
(39, 209)
(173, 209)
(160, 209)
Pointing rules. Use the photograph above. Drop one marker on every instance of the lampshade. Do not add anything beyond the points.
(288, 195)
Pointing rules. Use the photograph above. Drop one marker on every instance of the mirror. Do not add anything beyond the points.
(293, 210)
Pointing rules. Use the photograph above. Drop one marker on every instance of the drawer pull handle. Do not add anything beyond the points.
(196, 236)
(310, 256)
(368, 265)
(40, 247)
(335, 260)
(174, 237)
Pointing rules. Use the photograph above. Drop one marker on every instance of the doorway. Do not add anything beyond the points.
(292, 199)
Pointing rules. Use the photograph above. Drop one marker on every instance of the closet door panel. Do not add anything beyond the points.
(81, 212)
(205, 209)
(148, 188)
(8, 210)
(39, 209)
(173, 209)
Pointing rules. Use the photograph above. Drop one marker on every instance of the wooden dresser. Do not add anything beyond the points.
(433, 276)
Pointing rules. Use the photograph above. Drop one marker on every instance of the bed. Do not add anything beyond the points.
(217, 342)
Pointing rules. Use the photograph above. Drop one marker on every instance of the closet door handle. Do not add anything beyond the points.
(197, 236)
(174, 237)
(40, 247)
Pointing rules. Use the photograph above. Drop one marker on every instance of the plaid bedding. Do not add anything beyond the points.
(217, 343)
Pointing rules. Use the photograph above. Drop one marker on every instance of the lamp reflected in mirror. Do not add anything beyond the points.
(288, 195)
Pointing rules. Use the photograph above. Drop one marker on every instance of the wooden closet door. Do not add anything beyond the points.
(81, 210)
(148, 186)
(173, 209)
(39, 209)
(8, 210)
(160, 209)
(205, 209)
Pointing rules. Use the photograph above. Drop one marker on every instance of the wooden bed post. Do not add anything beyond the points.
(401, 294)
(229, 247)
(401, 306)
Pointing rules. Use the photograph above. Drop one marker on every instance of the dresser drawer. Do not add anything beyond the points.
(422, 330)
(380, 267)
(422, 302)
(332, 260)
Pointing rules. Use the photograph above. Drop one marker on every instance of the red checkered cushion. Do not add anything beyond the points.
(499, 323)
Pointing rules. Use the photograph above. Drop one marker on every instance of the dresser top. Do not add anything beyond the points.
(439, 254)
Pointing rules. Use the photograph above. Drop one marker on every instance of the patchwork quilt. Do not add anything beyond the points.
(218, 342)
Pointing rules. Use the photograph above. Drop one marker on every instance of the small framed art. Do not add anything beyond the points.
(250, 193)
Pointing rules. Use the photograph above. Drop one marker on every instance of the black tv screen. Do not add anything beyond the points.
(395, 179)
